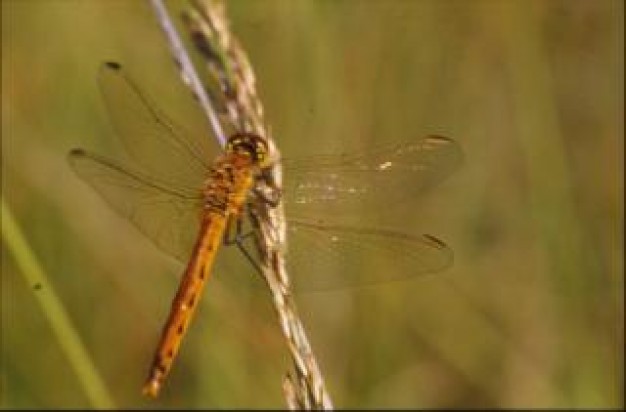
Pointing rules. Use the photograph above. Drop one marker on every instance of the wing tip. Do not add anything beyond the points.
(439, 138)
(76, 153)
(113, 65)
(435, 241)
(444, 141)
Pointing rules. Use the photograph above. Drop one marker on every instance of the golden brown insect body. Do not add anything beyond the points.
(225, 192)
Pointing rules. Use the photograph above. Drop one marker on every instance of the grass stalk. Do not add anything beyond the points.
(227, 64)
(56, 315)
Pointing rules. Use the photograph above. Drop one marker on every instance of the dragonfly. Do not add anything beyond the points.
(184, 199)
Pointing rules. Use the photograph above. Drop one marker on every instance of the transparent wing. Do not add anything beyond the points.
(161, 193)
(153, 142)
(346, 183)
(323, 257)
(167, 215)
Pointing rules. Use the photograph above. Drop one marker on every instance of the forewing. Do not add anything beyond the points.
(153, 142)
(166, 215)
(348, 183)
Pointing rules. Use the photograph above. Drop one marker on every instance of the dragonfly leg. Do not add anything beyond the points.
(234, 234)
(234, 231)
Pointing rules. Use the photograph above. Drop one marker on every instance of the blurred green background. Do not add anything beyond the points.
(530, 315)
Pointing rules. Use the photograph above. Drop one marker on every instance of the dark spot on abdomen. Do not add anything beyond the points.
(161, 367)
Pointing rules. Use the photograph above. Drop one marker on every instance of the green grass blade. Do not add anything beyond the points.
(54, 311)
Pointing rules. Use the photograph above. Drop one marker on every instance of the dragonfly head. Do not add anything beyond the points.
(249, 144)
